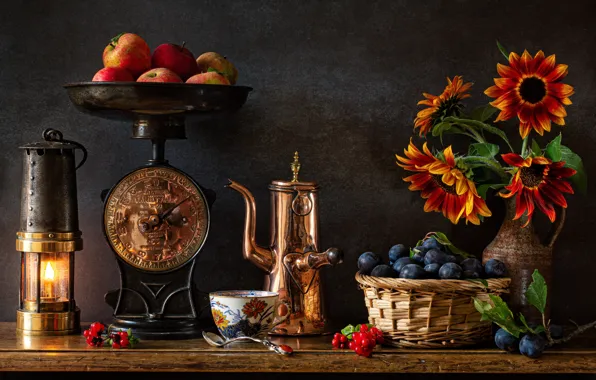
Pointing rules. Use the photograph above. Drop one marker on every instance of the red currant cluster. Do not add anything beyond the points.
(94, 334)
(361, 339)
(95, 337)
(119, 339)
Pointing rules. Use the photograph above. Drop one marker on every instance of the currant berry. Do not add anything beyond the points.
(366, 343)
(343, 339)
(352, 345)
(335, 343)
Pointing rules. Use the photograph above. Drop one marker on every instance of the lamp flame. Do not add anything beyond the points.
(49, 272)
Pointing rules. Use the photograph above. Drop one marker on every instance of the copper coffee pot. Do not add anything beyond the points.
(293, 259)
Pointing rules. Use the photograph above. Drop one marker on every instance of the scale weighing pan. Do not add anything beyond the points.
(127, 100)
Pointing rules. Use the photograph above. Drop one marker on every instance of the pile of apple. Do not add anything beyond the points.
(128, 58)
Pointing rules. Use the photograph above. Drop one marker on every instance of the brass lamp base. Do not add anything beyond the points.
(51, 323)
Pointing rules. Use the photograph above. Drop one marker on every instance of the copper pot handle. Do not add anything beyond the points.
(556, 228)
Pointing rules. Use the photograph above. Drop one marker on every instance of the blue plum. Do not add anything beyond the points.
(418, 258)
(367, 261)
(495, 268)
(432, 270)
(470, 274)
(434, 256)
(473, 265)
(532, 345)
(383, 270)
(399, 264)
(506, 341)
(412, 271)
(452, 259)
(397, 251)
(450, 271)
(431, 243)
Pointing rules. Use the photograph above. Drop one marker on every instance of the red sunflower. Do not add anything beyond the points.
(530, 89)
(444, 186)
(537, 182)
(446, 104)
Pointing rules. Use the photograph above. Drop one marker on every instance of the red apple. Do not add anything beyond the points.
(112, 74)
(128, 51)
(160, 74)
(176, 58)
(219, 63)
(211, 77)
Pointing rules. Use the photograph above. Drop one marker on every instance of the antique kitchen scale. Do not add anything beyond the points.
(156, 218)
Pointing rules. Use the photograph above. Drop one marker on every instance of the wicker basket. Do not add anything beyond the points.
(429, 313)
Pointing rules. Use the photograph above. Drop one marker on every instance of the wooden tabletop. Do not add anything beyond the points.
(313, 354)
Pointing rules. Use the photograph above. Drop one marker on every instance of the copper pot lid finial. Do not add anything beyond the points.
(294, 184)
(295, 165)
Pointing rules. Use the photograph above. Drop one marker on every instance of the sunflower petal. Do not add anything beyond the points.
(507, 71)
(554, 195)
(525, 63)
(559, 72)
(546, 66)
(554, 107)
(560, 90)
(449, 157)
(493, 91)
(544, 206)
(513, 159)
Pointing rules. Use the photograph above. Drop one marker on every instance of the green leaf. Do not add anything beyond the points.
(553, 149)
(443, 127)
(483, 149)
(500, 314)
(536, 293)
(536, 148)
(503, 50)
(480, 126)
(573, 161)
(348, 331)
(483, 189)
(442, 238)
(482, 113)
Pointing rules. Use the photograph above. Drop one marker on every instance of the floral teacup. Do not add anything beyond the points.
(246, 312)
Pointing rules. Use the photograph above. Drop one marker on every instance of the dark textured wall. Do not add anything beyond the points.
(336, 80)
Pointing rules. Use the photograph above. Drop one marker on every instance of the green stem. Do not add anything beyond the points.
(477, 136)
(524, 145)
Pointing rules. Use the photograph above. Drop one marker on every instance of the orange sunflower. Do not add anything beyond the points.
(446, 104)
(530, 89)
(444, 186)
(537, 182)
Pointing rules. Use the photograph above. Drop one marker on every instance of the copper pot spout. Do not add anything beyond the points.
(260, 256)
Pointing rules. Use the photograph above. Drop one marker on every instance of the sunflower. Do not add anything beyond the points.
(530, 89)
(446, 104)
(444, 186)
(537, 182)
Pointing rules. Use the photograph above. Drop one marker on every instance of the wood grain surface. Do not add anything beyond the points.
(314, 354)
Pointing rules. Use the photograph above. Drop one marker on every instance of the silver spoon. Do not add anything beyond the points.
(218, 341)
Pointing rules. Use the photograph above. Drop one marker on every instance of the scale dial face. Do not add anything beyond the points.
(156, 219)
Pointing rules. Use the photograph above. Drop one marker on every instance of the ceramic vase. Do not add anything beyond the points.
(523, 251)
